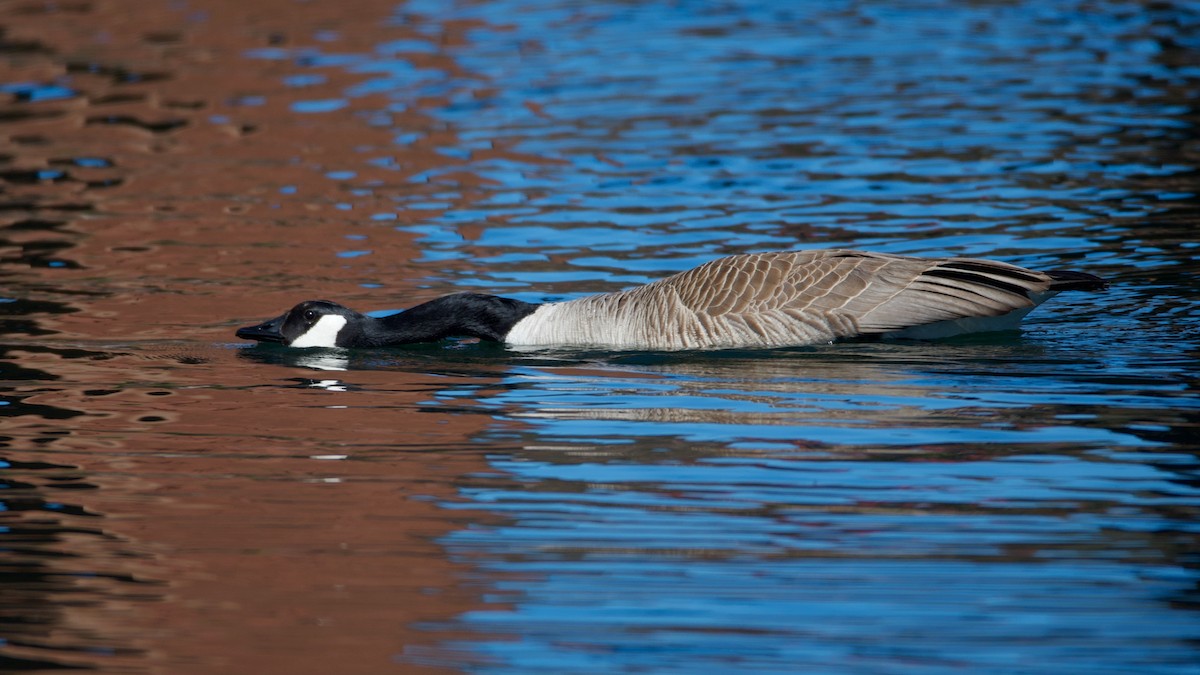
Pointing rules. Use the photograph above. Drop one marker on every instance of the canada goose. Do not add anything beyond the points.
(777, 299)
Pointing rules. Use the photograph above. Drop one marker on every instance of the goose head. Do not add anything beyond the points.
(312, 323)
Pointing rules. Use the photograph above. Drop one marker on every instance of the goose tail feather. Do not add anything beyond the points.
(1068, 280)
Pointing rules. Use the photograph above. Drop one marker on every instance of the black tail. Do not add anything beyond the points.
(1066, 280)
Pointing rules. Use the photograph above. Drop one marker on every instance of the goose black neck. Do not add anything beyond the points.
(488, 317)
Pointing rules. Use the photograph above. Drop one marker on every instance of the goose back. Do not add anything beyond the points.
(793, 298)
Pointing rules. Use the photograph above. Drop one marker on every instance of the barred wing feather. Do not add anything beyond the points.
(786, 297)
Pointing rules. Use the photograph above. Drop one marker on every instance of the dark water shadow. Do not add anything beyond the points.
(455, 354)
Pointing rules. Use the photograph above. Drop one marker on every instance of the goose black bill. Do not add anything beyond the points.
(267, 331)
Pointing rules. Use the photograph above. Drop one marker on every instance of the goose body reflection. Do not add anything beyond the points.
(752, 301)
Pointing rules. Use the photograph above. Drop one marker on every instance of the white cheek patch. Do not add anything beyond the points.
(323, 333)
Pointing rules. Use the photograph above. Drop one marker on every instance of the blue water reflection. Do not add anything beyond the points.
(1014, 503)
(1001, 626)
(942, 128)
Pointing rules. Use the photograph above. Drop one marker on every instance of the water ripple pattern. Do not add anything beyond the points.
(174, 501)
(658, 136)
(993, 505)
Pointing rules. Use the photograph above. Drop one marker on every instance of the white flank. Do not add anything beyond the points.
(576, 323)
(971, 324)
(595, 321)
(537, 329)
(323, 333)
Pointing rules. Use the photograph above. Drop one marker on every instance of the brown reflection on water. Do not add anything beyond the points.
(216, 185)
(207, 512)
(268, 541)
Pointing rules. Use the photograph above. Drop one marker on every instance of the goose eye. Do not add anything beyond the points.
(310, 315)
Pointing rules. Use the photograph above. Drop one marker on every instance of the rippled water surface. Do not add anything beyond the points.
(176, 501)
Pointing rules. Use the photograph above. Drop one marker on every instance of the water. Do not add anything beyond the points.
(176, 501)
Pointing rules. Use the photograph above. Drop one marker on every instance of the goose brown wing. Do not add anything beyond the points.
(841, 292)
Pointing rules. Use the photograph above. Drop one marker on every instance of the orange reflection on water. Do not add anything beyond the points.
(252, 517)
